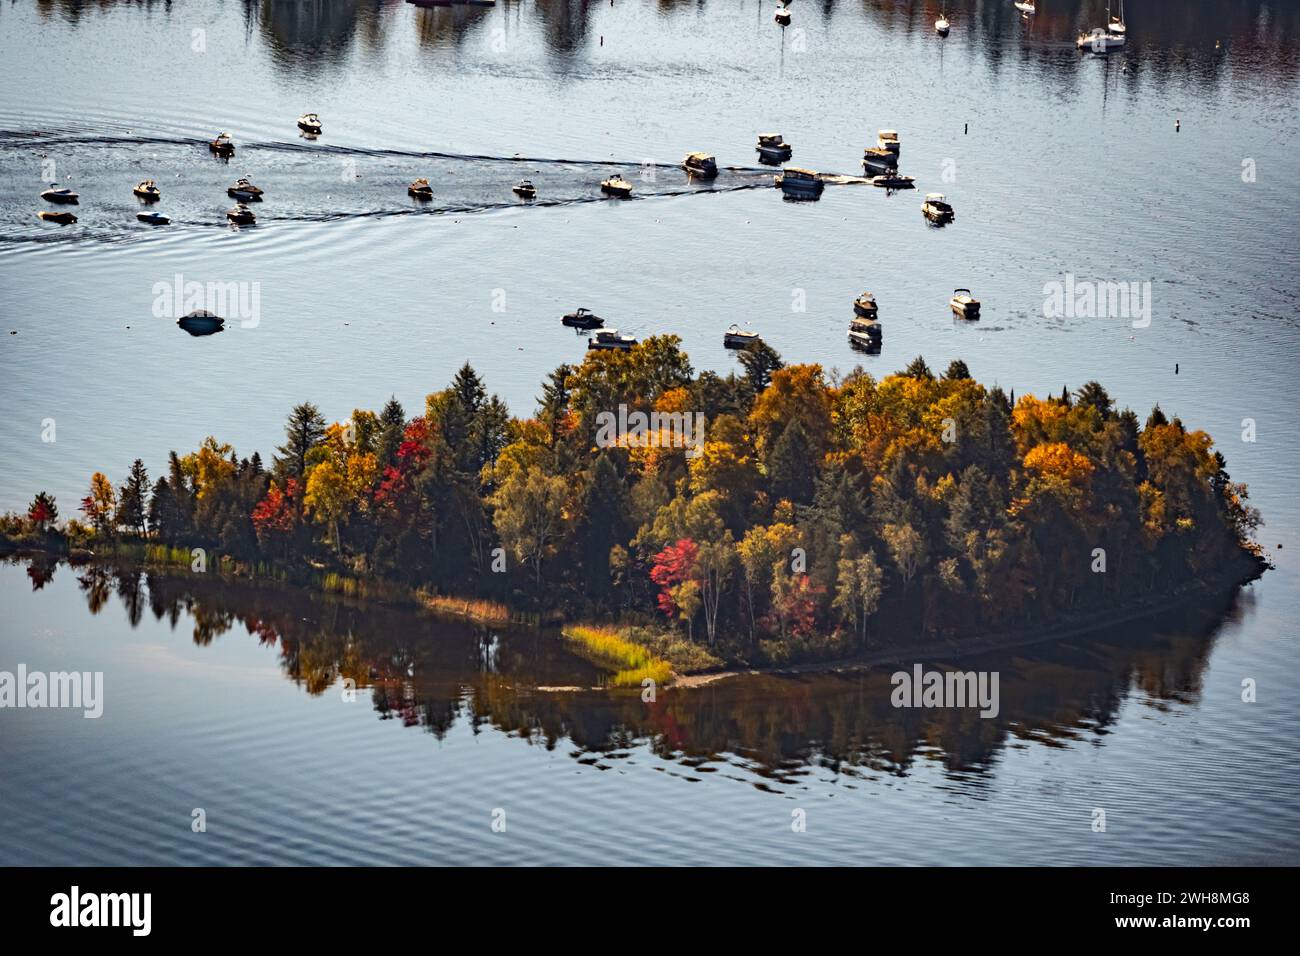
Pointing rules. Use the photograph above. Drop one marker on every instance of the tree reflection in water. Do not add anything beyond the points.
(431, 673)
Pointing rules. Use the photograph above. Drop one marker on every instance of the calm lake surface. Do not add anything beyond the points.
(1069, 165)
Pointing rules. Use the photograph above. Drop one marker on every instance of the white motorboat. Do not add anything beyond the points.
(610, 339)
(937, 208)
(964, 305)
(738, 338)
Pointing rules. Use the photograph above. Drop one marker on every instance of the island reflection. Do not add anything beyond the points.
(431, 673)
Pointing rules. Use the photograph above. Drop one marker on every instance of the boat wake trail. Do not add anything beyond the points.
(303, 182)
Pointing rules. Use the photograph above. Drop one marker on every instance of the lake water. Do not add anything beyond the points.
(1057, 163)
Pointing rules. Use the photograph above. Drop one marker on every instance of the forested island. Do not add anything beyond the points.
(816, 517)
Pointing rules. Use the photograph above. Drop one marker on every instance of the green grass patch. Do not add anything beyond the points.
(632, 663)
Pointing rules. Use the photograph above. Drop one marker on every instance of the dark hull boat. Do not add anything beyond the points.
(64, 197)
(153, 218)
(244, 191)
(420, 189)
(879, 161)
(937, 209)
(310, 123)
(582, 319)
(738, 338)
(616, 186)
(223, 145)
(700, 165)
(148, 191)
(524, 190)
(201, 322)
(865, 334)
(241, 215)
(893, 181)
(773, 149)
(62, 218)
(799, 183)
(864, 306)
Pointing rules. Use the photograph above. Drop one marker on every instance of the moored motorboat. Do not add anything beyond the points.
(888, 139)
(879, 161)
(797, 183)
(153, 218)
(241, 215)
(782, 15)
(420, 189)
(524, 189)
(937, 208)
(738, 338)
(941, 26)
(773, 149)
(1025, 6)
(64, 197)
(894, 181)
(309, 123)
(700, 165)
(616, 186)
(244, 191)
(62, 218)
(864, 306)
(610, 339)
(201, 322)
(964, 305)
(223, 145)
(148, 191)
(582, 319)
(864, 333)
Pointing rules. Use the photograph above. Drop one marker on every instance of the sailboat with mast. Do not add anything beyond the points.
(1117, 25)
(1103, 39)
